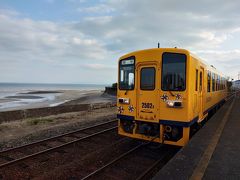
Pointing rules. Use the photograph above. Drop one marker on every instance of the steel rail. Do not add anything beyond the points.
(114, 160)
(54, 148)
(55, 137)
(233, 94)
(142, 175)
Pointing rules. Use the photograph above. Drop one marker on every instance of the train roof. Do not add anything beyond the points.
(180, 50)
(155, 49)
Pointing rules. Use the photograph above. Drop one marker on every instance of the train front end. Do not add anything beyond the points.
(152, 97)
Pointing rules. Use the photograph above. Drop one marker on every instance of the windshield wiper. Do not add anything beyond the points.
(168, 87)
(171, 93)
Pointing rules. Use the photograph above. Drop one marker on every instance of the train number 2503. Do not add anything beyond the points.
(147, 105)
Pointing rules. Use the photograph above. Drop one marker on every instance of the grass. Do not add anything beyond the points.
(38, 121)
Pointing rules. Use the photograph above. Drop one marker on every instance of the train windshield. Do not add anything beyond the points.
(173, 72)
(126, 74)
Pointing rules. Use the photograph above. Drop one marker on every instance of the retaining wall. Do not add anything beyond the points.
(46, 111)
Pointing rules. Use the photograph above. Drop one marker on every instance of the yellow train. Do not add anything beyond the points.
(164, 92)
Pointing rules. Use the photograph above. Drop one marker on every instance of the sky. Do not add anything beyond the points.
(80, 41)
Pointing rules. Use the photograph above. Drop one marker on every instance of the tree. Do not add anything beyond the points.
(114, 85)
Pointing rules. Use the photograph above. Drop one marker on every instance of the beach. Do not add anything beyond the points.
(15, 131)
(12, 98)
(19, 132)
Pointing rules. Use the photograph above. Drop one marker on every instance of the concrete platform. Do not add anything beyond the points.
(214, 151)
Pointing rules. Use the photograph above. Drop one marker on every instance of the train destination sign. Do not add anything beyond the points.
(128, 62)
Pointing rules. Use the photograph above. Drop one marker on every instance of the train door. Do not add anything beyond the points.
(201, 92)
(147, 92)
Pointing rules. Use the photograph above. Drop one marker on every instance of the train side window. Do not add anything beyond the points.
(209, 82)
(200, 83)
(196, 82)
(213, 82)
(216, 82)
(224, 83)
(220, 83)
(147, 81)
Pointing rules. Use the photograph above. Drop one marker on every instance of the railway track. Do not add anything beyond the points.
(95, 152)
(15, 156)
(139, 162)
(135, 163)
(129, 165)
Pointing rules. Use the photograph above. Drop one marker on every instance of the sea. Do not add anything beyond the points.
(17, 95)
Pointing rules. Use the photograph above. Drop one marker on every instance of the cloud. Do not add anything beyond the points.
(198, 26)
(226, 61)
(99, 67)
(107, 29)
(50, 1)
(8, 12)
(46, 47)
(46, 40)
(98, 9)
(172, 22)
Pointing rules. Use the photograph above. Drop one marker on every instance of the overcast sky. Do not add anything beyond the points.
(80, 41)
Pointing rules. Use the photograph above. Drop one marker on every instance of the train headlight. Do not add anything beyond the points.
(170, 103)
(174, 103)
(124, 100)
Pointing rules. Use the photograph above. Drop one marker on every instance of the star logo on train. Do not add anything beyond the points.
(120, 109)
(131, 108)
(178, 96)
(164, 97)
